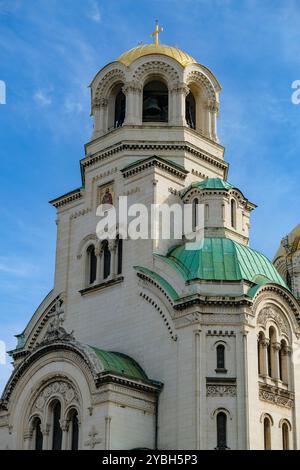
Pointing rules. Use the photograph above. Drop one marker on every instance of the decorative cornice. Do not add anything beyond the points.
(67, 198)
(157, 162)
(91, 160)
(102, 285)
(276, 395)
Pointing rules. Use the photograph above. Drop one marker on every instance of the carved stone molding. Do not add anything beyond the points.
(275, 395)
(65, 390)
(273, 313)
(198, 77)
(157, 67)
(220, 390)
(93, 439)
(112, 77)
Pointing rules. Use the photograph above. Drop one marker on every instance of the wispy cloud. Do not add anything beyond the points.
(94, 11)
(17, 267)
(43, 98)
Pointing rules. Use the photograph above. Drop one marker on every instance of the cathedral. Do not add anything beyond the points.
(147, 344)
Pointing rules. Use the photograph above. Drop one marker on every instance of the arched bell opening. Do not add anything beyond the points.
(116, 107)
(190, 110)
(196, 112)
(155, 102)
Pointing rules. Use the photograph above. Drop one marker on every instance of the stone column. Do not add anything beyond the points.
(211, 121)
(178, 95)
(132, 91)
(65, 429)
(275, 360)
(113, 248)
(46, 437)
(107, 432)
(286, 354)
(98, 253)
(28, 435)
(100, 107)
(264, 363)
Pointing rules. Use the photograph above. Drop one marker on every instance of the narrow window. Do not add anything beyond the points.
(57, 432)
(269, 360)
(92, 260)
(285, 437)
(120, 105)
(120, 255)
(107, 259)
(233, 213)
(195, 214)
(190, 110)
(221, 431)
(267, 434)
(38, 435)
(75, 431)
(155, 102)
(220, 356)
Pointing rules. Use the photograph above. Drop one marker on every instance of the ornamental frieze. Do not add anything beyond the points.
(276, 396)
(272, 313)
(220, 390)
(60, 388)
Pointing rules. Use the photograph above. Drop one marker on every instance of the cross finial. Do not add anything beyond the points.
(155, 34)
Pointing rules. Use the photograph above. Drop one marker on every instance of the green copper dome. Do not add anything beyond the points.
(222, 259)
(209, 183)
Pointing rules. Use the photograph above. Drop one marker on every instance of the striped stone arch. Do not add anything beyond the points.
(156, 67)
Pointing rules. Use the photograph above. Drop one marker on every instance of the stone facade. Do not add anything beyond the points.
(198, 341)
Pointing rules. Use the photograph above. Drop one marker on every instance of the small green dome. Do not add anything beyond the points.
(120, 364)
(222, 259)
(209, 183)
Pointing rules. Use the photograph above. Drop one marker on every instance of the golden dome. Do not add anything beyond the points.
(146, 49)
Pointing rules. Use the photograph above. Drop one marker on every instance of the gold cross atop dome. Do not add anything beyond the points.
(155, 34)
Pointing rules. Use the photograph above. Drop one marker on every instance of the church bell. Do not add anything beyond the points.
(151, 107)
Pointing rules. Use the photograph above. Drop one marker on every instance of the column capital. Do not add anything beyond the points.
(99, 103)
(276, 346)
(265, 342)
(181, 88)
(132, 87)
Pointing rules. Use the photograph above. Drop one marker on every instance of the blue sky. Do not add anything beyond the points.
(49, 52)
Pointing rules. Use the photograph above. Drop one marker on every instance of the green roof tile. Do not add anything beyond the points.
(209, 183)
(120, 364)
(222, 259)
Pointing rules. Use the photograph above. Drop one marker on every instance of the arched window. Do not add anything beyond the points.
(190, 110)
(220, 356)
(37, 434)
(285, 437)
(107, 259)
(56, 429)
(233, 213)
(120, 255)
(92, 264)
(120, 106)
(195, 213)
(221, 431)
(267, 433)
(74, 430)
(155, 102)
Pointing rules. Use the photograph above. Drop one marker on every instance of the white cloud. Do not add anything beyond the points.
(94, 11)
(17, 267)
(43, 98)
